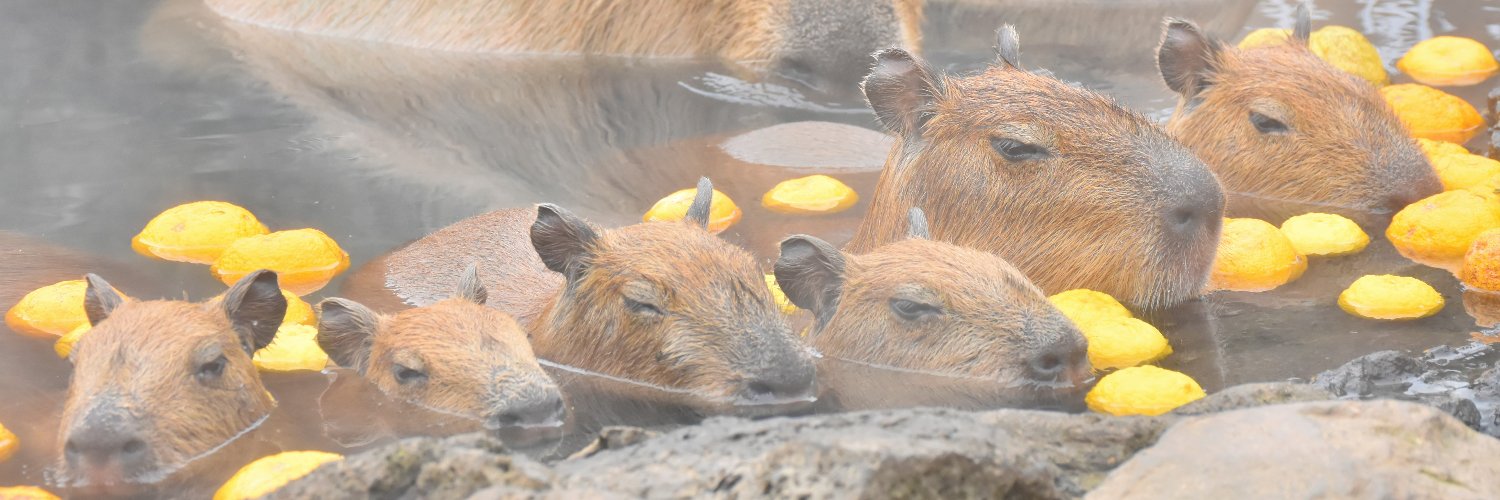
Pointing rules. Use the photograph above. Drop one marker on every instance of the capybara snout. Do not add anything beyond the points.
(455, 357)
(158, 384)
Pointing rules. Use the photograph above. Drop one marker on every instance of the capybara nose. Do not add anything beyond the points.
(545, 411)
(1192, 216)
(1062, 363)
(115, 445)
(1401, 196)
(783, 386)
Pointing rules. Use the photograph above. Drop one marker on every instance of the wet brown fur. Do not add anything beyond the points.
(747, 31)
(993, 323)
(139, 365)
(1091, 215)
(720, 327)
(1345, 147)
(477, 360)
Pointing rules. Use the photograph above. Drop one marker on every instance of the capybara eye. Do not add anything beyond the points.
(211, 370)
(913, 311)
(1266, 124)
(1014, 150)
(643, 308)
(408, 376)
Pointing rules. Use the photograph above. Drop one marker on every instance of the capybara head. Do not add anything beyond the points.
(159, 384)
(823, 44)
(667, 304)
(1064, 183)
(455, 357)
(1279, 122)
(924, 305)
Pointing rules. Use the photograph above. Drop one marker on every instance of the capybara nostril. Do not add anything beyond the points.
(793, 385)
(106, 446)
(1047, 366)
(546, 411)
(1063, 362)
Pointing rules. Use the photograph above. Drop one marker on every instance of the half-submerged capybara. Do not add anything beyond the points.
(800, 39)
(1278, 122)
(1071, 188)
(661, 303)
(933, 307)
(158, 385)
(455, 357)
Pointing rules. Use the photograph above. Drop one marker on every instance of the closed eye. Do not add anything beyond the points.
(643, 308)
(913, 311)
(1014, 150)
(1267, 125)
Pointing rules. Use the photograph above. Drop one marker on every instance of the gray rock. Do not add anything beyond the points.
(924, 453)
(453, 467)
(1253, 395)
(1346, 449)
(1365, 374)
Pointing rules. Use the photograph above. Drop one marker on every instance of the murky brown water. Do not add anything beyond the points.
(113, 111)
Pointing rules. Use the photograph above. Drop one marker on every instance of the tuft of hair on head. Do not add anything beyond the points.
(1008, 46)
(698, 212)
(916, 224)
(470, 288)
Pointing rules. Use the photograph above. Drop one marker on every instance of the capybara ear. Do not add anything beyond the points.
(1187, 58)
(255, 307)
(811, 274)
(1008, 46)
(699, 212)
(99, 299)
(916, 225)
(1302, 29)
(470, 288)
(346, 331)
(562, 240)
(901, 91)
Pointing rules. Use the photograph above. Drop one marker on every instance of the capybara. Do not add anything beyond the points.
(662, 303)
(929, 306)
(1064, 183)
(800, 39)
(160, 384)
(1280, 123)
(454, 356)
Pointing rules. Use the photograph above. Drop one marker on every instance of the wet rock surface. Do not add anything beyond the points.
(919, 453)
(1459, 381)
(1344, 449)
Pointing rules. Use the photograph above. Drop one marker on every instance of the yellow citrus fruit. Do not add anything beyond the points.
(1433, 114)
(814, 194)
(1142, 390)
(64, 345)
(782, 301)
(50, 311)
(1489, 188)
(1348, 50)
(1084, 307)
(1449, 61)
(722, 212)
(196, 232)
(1324, 234)
(1124, 342)
(1440, 228)
(304, 259)
(1463, 171)
(298, 311)
(8, 444)
(294, 348)
(1482, 262)
(1265, 37)
(1437, 149)
(1390, 297)
(1340, 46)
(25, 493)
(268, 474)
(1254, 256)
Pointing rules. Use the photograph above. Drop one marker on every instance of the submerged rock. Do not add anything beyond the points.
(1366, 374)
(1346, 449)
